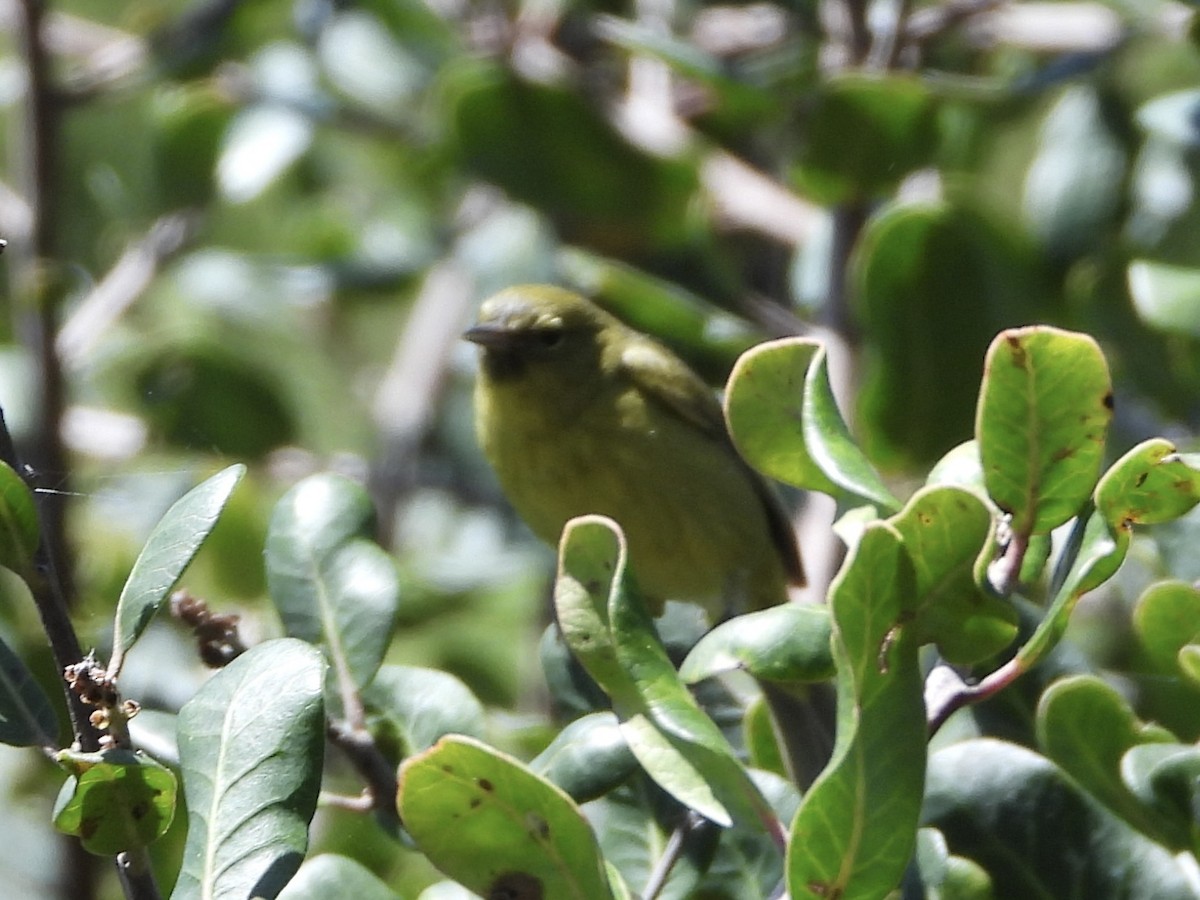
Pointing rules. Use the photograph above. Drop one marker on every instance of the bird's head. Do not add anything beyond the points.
(539, 333)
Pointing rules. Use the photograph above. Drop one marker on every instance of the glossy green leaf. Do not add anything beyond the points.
(590, 568)
(934, 282)
(332, 584)
(251, 746)
(1086, 727)
(1166, 296)
(607, 626)
(261, 143)
(588, 758)
(424, 705)
(945, 876)
(1165, 778)
(894, 127)
(19, 534)
(1044, 409)
(789, 642)
(1173, 116)
(1167, 619)
(1149, 485)
(1075, 183)
(784, 420)
(946, 529)
(115, 800)
(1036, 833)
(856, 829)
(759, 736)
(26, 717)
(171, 546)
(497, 828)
(331, 875)
(959, 467)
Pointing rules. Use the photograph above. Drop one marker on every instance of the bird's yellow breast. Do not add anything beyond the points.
(695, 523)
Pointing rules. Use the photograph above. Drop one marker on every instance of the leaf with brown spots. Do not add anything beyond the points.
(497, 828)
(1043, 414)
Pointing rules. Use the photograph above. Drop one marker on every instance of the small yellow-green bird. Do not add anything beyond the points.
(580, 414)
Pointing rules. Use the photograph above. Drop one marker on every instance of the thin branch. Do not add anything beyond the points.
(121, 286)
(41, 297)
(52, 608)
(380, 775)
(657, 879)
(991, 685)
(932, 21)
(407, 397)
(889, 39)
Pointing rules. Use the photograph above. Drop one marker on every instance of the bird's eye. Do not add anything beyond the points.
(550, 337)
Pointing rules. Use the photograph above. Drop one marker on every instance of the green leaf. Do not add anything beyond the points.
(946, 530)
(26, 717)
(1044, 409)
(856, 829)
(591, 566)
(1036, 833)
(1164, 777)
(588, 758)
(1086, 727)
(171, 546)
(116, 800)
(1149, 485)
(332, 584)
(1167, 619)
(424, 705)
(19, 534)
(607, 626)
(1075, 183)
(497, 828)
(948, 877)
(1166, 296)
(893, 123)
(762, 743)
(784, 420)
(251, 743)
(789, 642)
(924, 356)
(331, 875)
(959, 467)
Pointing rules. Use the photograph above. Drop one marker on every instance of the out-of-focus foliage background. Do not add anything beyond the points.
(254, 230)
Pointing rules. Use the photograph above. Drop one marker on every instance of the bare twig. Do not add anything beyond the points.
(121, 286)
(380, 776)
(927, 23)
(657, 879)
(408, 393)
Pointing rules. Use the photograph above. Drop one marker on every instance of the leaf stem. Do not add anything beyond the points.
(133, 869)
(671, 854)
(990, 685)
(379, 774)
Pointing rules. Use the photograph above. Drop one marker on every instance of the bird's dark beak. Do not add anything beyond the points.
(491, 337)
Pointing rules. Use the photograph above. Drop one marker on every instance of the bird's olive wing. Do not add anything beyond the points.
(663, 377)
